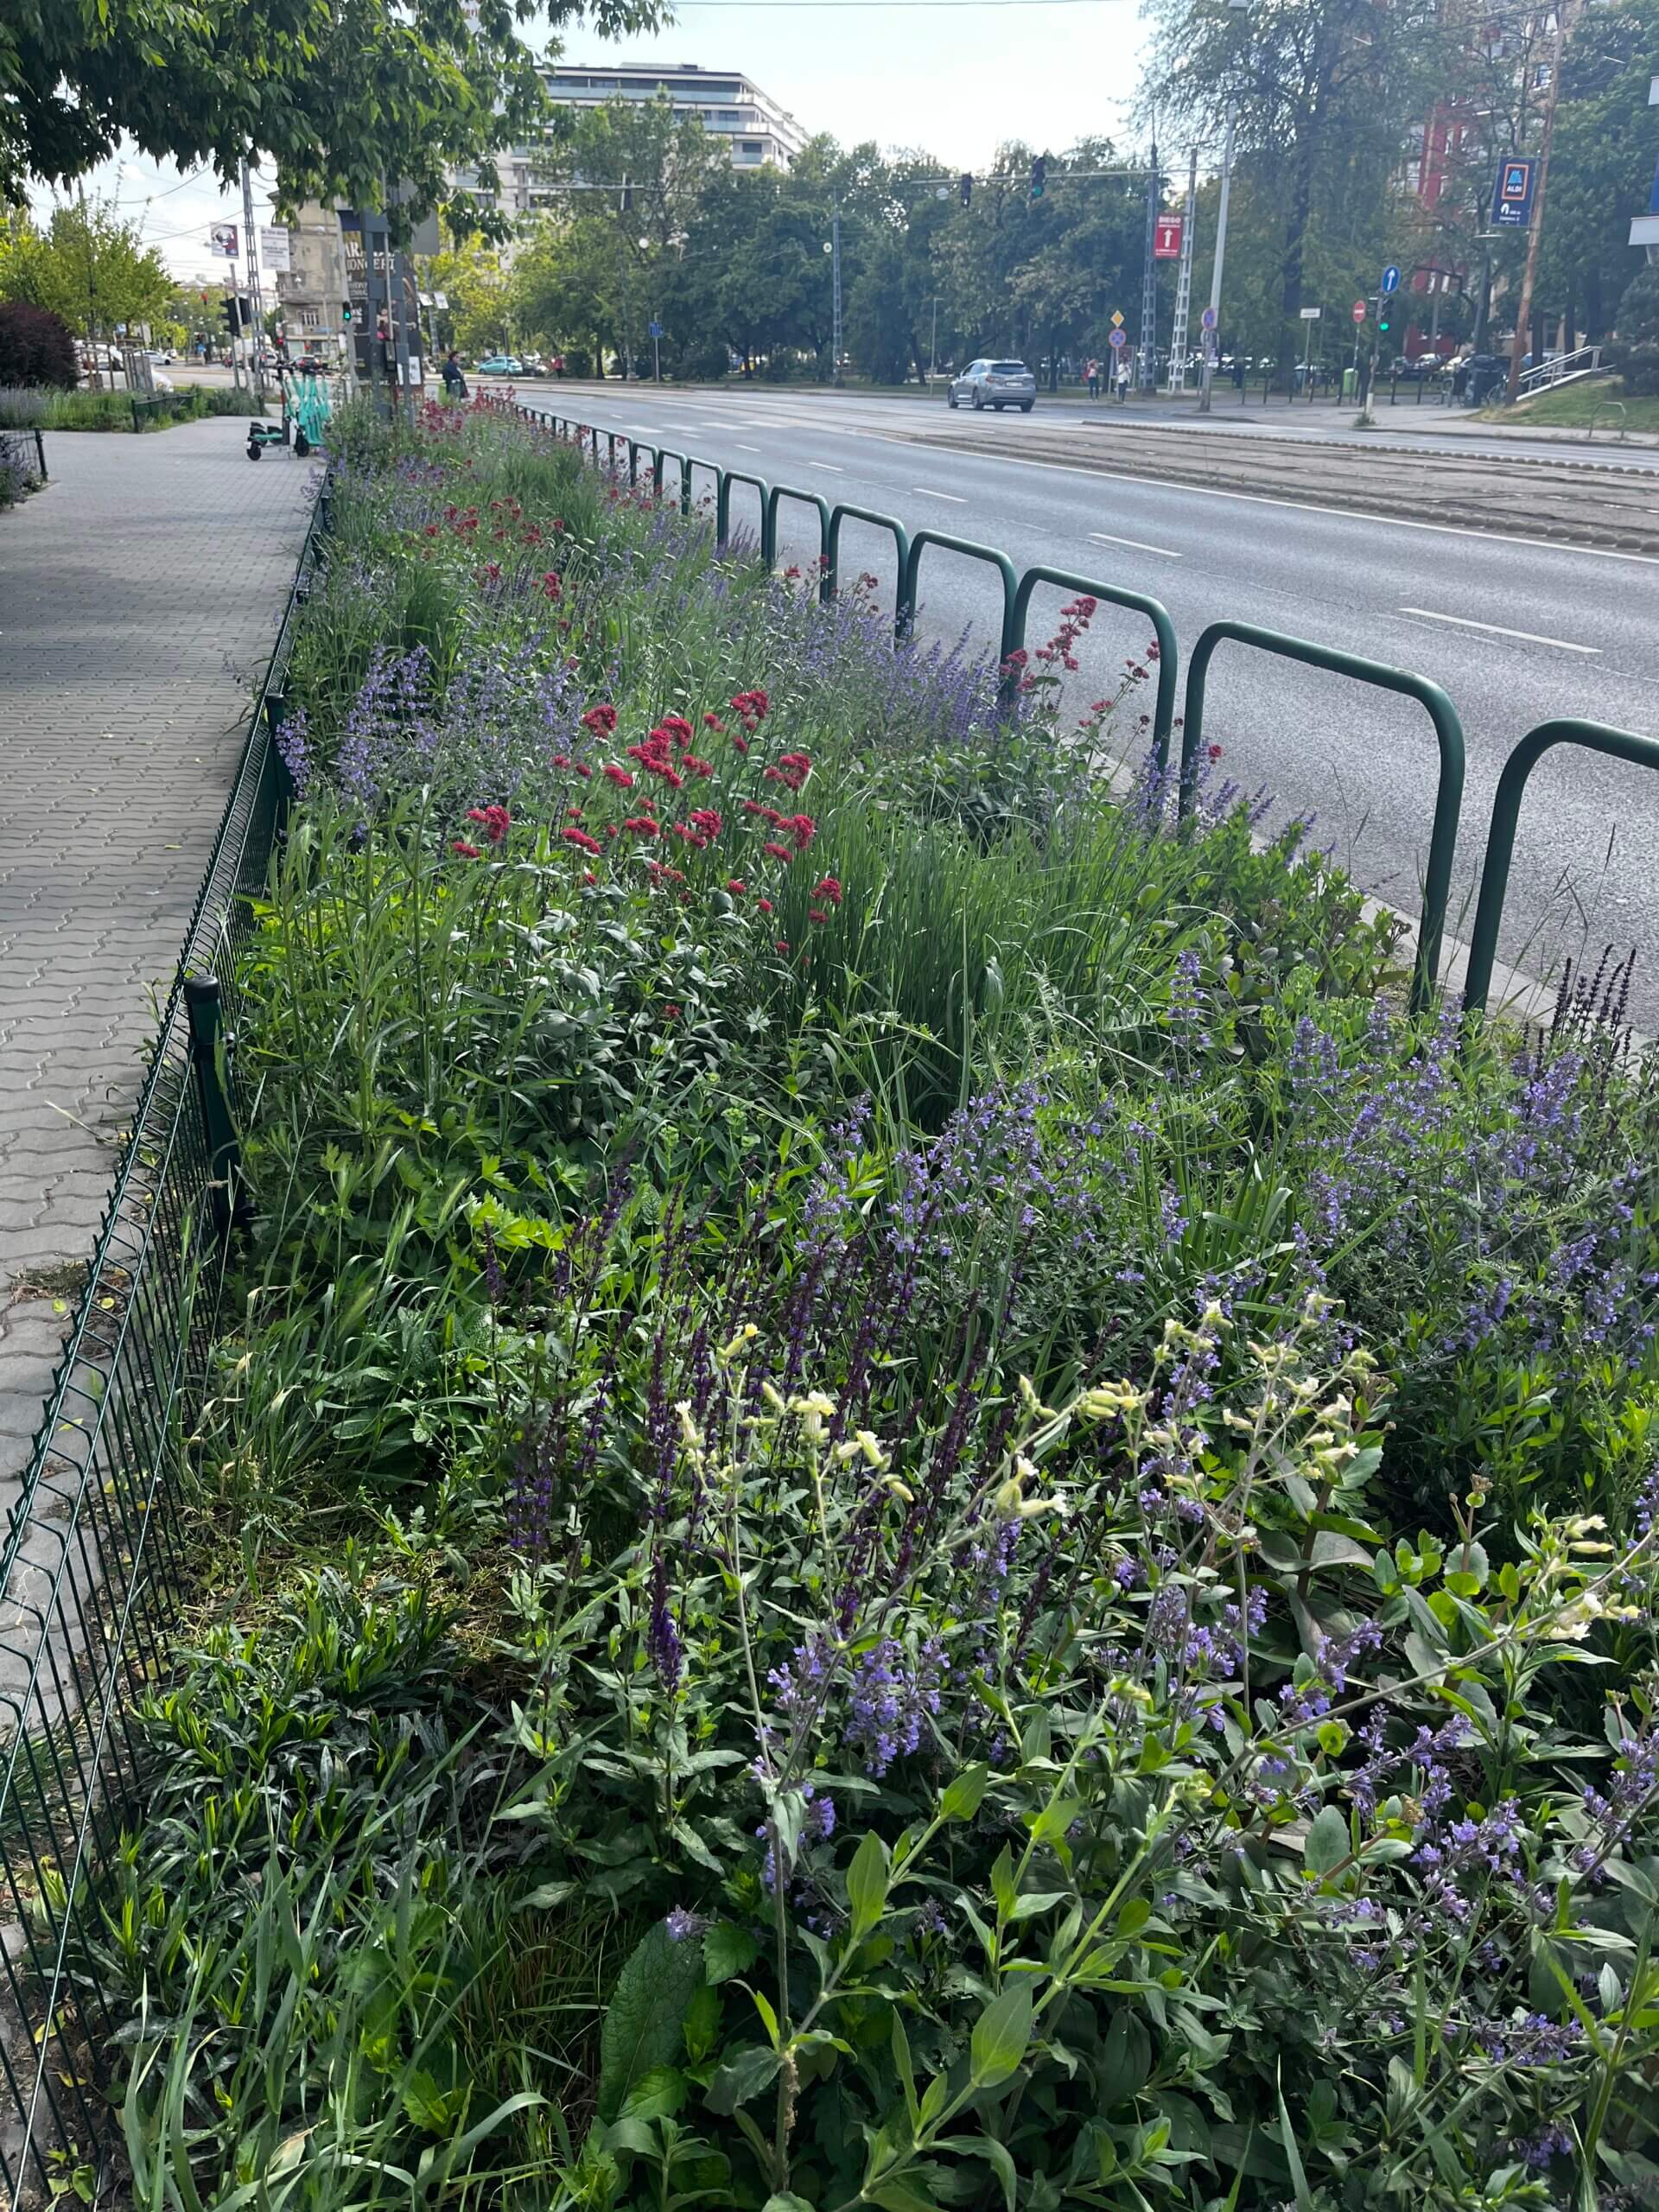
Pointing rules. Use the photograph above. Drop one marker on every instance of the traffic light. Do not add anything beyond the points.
(1039, 176)
(237, 314)
(628, 199)
(965, 189)
(346, 311)
(1384, 318)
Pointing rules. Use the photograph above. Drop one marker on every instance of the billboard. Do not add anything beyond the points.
(1166, 237)
(274, 255)
(222, 240)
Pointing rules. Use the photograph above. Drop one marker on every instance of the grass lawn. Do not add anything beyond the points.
(1575, 407)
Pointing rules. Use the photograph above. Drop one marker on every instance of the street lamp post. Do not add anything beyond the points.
(933, 343)
(1212, 337)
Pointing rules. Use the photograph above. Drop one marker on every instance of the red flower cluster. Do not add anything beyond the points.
(793, 769)
(618, 775)
(750, 708)
(552, 587)
(468, 852)
(581, 838)
(494, 821)
(600, 720)
(828, 888)
(643, 825)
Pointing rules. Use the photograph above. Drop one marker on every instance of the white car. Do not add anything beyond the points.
(994, 384)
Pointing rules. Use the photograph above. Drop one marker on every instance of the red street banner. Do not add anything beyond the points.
(1166, 238)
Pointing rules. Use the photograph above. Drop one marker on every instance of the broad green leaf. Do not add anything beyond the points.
(744, 2075)
(729, 1949)
(961, 1800)
(867, 1885)
(1001, 2036)
(656, 2096)
(643, 2022)
(1328, 1842)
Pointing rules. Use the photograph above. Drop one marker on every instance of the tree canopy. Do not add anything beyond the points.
(345, 95)
(88, 266)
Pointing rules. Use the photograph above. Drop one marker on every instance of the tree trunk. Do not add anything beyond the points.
(916, 356)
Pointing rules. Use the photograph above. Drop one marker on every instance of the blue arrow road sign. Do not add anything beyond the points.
(656, 330)
(1391, 277)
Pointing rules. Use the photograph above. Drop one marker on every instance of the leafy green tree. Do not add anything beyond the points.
(87, 266)
(1326, 93)
(343, 93)
(478, 319)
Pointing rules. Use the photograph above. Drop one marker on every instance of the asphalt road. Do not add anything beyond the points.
(1517, 631)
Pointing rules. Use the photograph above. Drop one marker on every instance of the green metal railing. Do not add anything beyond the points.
(1593, 737)
(1163, 713)
(1017, 593)
(966, 546)
(92, 1566)
(724, 480)
(1448, 731)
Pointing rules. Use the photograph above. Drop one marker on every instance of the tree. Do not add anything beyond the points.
(36, 347)
(472, 279)
(1326, 92)
(89, 267)
(343, 93)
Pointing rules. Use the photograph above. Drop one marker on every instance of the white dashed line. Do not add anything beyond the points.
(1496, 630)
(1105, 537)
(923, 491)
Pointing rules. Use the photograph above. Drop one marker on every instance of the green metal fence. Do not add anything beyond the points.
(90, 1567)
(1017, 591)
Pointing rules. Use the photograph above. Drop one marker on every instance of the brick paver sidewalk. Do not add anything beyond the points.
(137, 594)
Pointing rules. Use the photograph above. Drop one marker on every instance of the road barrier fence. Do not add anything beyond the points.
(1017, 591)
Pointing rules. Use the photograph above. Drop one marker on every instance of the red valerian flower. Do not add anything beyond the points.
(468, 852)
(490, 573)
(827, 887)
(583, 769)
(671, 1012)
(1214, 751)
(561, 760)
(495, 821)
(767, 813)
(706, 819)
(791, 573)
(588, 876)
(600, 719)
(677, 727)
(778, 852)
(552, 587)
(713, 721)
(694, 766)
(581, 838)
(642, 825)
(1017, 658)
(764, 905)
(782, 944)
(741, 743)
(574, 813)
(1152, 652)
(817, 913)
(431, 529)
(736, 886)
(752, 706)
(618, 775)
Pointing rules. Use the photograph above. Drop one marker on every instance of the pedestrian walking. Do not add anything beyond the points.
(454, 384)
(1094, 379)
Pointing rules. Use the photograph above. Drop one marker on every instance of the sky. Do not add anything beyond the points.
(956, 77)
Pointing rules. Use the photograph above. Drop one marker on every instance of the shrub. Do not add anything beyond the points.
(1635, 351)
(36, 347)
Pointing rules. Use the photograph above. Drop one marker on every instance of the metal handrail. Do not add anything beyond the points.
(724, 480)
(780, 492)
(1577, 363)
(1163, 716)
(1448, 731)
(1594, 737)
(844, 512)
(999, 562)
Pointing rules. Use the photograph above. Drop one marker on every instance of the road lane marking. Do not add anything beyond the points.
(834, 467)
(1105, 537)
(743, 448)
(922, 492)
(1266, 499)
(1496, 630)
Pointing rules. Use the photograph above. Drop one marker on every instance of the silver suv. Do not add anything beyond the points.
(994, 384)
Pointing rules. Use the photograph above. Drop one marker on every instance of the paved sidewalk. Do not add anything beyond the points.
(138, 593)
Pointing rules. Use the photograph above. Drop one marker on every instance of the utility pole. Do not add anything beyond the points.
(834, 251)
(1145, 367)
(933, 343)
(1523, 312)
(1184, 282)
(257, 365)
(1212, 337)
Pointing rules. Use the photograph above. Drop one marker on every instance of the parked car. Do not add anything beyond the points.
(994, 384)
(501, 364)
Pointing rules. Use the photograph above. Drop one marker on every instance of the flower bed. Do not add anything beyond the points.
(911, 1507)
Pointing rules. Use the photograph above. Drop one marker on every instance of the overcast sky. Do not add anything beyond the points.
(954, 79)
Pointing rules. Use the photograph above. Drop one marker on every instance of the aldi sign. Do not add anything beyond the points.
(1512, 194)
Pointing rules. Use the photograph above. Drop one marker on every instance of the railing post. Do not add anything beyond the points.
(1448, 731)
(208, 1043)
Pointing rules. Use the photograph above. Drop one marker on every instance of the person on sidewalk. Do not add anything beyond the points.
(454, 384)
(1094, 379)
(1122, 374)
